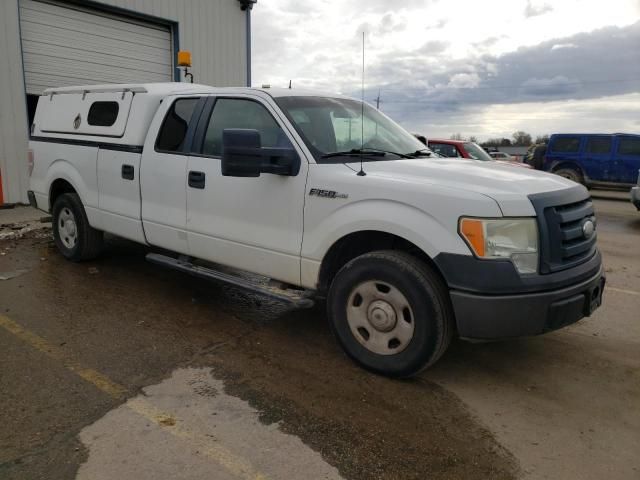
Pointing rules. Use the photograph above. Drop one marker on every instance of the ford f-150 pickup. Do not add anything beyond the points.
(327, 197)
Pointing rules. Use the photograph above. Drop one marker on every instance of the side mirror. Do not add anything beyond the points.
(243, 155)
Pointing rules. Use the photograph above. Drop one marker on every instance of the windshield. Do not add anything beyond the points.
(329, 125)
(476, 152)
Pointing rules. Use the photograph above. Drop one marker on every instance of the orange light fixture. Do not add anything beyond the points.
(473, 232)
(184, 58)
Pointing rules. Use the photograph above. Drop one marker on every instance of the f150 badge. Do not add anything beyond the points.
(318, 192)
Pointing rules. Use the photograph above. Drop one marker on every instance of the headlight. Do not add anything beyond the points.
(515, 239)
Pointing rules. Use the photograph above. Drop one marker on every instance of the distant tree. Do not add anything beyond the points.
(542, 138)
(473, 139)
(456, 136)
(505, 142)
(521, 139)
(492, 142)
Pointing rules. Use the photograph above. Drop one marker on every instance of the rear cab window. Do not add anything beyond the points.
(173, 133)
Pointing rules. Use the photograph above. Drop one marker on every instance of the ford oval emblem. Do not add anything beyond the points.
(77, 121)
(588, 227)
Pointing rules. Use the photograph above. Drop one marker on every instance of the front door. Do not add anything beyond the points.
(254, 224)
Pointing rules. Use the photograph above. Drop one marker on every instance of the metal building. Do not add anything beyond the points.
(53, 43)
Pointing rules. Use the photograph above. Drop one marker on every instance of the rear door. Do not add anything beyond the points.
(597, 157)
(627, 159)
(163, 173)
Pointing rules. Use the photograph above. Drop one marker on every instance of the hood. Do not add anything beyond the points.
(507, 185)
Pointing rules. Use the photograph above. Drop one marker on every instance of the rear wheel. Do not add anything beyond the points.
(73, 235)
(571, 174)
(390, 312)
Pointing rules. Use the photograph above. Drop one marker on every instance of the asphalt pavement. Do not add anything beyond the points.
(118, 369)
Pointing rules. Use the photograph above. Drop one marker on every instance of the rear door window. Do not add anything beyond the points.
(566, 145)
(599, 145)
(629, 146)
(173, 132)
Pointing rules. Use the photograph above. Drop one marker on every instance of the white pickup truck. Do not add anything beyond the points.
(326, 196)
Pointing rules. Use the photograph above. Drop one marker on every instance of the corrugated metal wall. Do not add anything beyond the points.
(13, 108)
(64, 46)
(213, 30)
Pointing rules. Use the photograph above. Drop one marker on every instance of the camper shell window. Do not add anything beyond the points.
(103, 114)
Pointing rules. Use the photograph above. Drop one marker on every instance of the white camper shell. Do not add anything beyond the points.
(116, 114)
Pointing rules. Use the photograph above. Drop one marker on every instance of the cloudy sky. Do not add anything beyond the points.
(478, 68)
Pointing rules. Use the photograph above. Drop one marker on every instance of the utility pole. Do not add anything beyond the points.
(378, 101)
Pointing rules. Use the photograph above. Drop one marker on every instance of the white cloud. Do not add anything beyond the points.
(456, 59)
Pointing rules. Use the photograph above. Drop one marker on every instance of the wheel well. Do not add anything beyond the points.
(58, 187)
(359, 243)
(568, 165)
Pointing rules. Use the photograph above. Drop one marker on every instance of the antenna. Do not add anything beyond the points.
(361, 172)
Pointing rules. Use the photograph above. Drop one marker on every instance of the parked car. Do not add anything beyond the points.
(535, 155)
(465, 149)
(595, 159)
(502, 156)
(279, 183)
(635, 193)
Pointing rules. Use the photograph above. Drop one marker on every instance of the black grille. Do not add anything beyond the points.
(561, 217)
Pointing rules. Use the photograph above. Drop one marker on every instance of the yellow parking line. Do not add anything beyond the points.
(622, 290)
(236, 465)
(96, 378)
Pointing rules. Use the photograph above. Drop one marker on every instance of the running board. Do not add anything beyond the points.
(298, 298)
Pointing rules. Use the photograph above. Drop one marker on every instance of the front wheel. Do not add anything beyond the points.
(72, 234)
(390, 312)
(571, 174)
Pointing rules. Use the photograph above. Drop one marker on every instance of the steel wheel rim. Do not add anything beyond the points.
(380, 317)
(67, 228)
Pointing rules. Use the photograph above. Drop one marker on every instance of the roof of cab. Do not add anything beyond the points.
(177, 88)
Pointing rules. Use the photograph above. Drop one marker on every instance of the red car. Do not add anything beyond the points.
(464, 149)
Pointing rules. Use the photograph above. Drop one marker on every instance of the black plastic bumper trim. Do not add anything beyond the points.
(498, 277)
(494, 317)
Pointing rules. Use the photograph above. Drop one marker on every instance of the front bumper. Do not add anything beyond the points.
(516, 315)
(635, 196)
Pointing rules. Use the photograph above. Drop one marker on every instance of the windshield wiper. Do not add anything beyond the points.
(370, 152)
(355, 151)
(420, 153)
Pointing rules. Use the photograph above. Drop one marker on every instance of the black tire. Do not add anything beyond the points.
(571, 174)
(422, 288)
(89, 241)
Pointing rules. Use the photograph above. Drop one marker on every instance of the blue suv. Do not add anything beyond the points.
(594, 159)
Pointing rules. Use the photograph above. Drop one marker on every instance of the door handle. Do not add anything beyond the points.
(197, 179)
(128, 172)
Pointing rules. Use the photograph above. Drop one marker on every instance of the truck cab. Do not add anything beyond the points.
(326, 196)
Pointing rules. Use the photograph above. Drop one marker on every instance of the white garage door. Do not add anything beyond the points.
(64, 45)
